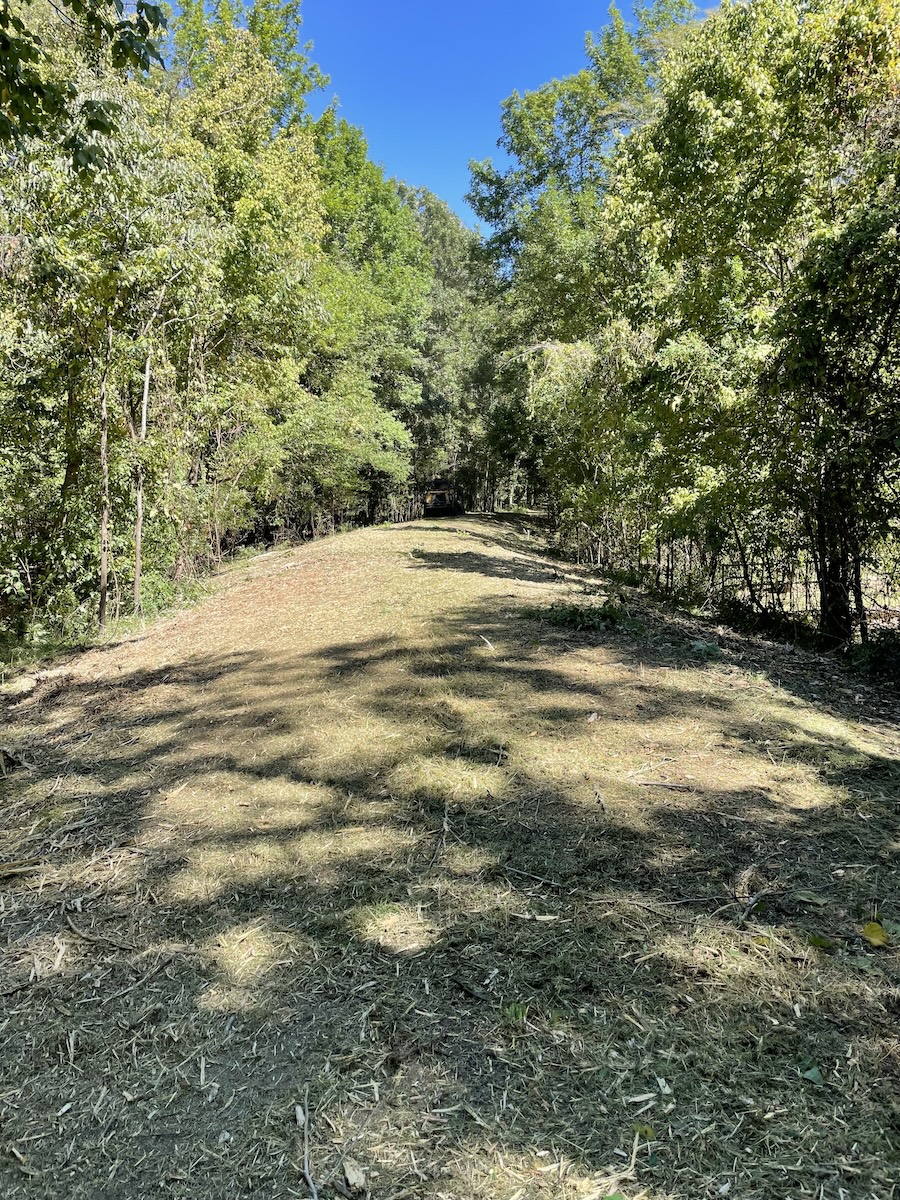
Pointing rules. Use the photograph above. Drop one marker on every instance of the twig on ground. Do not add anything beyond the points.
(539, 878)
(672, 787)
(92, 937)
(346, 1147)
(649, 767)
(307, 1172)
(143, 979)
(442, 839)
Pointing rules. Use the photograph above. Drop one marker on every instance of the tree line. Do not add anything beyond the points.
(696, 245)
(221, 322)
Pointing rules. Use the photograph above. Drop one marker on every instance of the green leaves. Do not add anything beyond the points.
(560, 137)
(731, 264)
(282, 333)
(34, 98)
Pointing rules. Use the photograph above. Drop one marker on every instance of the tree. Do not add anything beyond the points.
(34, 98)
(560, 136)
(838, 361)
(707, 369)
(275, 27)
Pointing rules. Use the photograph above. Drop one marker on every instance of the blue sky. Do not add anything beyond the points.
(425, 80)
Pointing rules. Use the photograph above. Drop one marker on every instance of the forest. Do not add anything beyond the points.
(678, 329)
(544, 850)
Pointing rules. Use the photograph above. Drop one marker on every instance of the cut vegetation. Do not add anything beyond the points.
(414, 864)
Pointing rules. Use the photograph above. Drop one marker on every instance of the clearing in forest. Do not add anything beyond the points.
(412, 863)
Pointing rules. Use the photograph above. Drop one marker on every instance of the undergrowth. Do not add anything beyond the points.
(585, 618)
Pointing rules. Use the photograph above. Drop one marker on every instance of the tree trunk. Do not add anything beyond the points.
(73, 450)
(104, 482)
(858, 596)
(139, 490)
(745, 568)
(833, 561)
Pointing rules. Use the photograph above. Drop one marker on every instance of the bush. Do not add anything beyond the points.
(880, 655)
(582, 617)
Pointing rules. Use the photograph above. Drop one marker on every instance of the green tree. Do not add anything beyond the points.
(561, 135)
(692, 382)
(33, 96)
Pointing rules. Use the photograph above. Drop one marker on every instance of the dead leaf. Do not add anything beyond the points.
(811, 898)
(355, 1175)
(820, 941)
(875, 934)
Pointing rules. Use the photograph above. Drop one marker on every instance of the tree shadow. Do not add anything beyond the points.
(490, 889)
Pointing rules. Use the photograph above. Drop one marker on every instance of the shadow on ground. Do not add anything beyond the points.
(530, 912)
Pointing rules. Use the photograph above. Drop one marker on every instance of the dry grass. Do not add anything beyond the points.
(366, 876)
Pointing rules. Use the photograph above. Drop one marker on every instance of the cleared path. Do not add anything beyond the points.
(444, 856)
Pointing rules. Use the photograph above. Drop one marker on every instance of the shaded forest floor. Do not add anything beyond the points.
(374, 850)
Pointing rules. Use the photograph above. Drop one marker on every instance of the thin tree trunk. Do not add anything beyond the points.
(858, 597)
(745, 567)
(139, 491)
(770, 579)
(833, 566)
(104, 482)
(73, 452)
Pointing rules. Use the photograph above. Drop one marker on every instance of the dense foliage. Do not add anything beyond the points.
(218, 321)
(698, 241)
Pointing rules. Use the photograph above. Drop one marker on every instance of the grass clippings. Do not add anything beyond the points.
(382, 873)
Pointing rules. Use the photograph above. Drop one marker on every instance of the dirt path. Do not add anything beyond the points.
(525, 911)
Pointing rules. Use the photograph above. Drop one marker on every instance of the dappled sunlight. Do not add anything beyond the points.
(399, 928)
(244, 954)
(322, 856)
(229, 802)
(458, 772)
(480, 883)
(466, 861)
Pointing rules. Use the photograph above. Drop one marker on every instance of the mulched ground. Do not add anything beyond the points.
(416, 864)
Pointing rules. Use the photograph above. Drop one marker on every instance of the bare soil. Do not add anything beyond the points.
(375, 874)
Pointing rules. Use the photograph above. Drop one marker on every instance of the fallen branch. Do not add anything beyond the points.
(97, 938)
(754, 901)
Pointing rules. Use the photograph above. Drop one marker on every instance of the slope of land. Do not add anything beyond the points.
(374, 873)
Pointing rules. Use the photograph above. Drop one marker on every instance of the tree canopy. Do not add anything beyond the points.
(233, 325)
(695, 244)
(221, 322)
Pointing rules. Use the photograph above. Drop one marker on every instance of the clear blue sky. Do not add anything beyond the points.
(425, 80)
